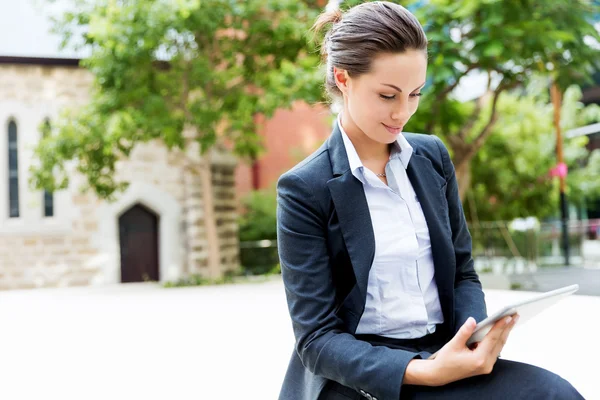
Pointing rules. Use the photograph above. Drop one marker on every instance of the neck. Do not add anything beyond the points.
(366, 148)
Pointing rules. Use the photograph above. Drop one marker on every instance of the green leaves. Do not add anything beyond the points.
(511, 172)
(493, 49)
(213, 65)
(260, 219)
(160, 65)
(526, 35)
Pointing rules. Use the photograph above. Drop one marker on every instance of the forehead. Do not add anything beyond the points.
(406, 70)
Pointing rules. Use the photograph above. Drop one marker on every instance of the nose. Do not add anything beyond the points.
(401, 113)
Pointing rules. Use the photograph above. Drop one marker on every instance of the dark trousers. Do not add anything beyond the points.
(509, 379)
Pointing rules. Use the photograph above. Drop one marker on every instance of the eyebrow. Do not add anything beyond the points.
(400, 90)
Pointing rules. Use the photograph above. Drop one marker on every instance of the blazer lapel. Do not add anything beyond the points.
(351, 206)
(355, 223)
(352, 210)
(430, 189)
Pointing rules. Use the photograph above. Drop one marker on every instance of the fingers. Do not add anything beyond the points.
(504, 337)
(488, 344)
(464, 333)
(486, 353)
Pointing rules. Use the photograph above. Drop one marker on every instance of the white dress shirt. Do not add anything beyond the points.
(402, 295)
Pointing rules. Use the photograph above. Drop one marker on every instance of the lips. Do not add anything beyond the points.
(393, 130)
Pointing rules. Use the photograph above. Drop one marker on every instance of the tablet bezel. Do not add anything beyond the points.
(514, 308)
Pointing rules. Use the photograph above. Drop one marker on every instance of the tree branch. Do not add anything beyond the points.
(450, 88)
(475, 115)
(442, 96)
(185, 90)
(487, 129)
(472, 119)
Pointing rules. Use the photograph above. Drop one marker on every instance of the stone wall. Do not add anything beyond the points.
(79, 245)
(37, 251)
(225, 202)
(225, 209)
(48, 260)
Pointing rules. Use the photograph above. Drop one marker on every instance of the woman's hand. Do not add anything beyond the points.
(456, 361)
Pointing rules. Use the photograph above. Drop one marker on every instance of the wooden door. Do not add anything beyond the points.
(138, 238)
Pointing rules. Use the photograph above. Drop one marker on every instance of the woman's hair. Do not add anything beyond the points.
(357, 36)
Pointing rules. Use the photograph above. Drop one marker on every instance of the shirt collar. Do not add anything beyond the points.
(401, 149)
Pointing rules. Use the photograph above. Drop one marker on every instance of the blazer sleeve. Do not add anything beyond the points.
(469, 300)
(322, 343)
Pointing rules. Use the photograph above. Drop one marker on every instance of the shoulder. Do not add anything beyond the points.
(431, 147)
(308, 179)
(314, 169)
(427, 145)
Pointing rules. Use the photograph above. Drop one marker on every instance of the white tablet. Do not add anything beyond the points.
(526, 309)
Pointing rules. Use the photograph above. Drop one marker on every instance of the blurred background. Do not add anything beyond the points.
(141, 141)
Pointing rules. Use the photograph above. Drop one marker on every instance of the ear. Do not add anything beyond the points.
(341, 79)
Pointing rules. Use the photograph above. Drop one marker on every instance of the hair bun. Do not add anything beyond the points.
(332, 16)
(336, 15)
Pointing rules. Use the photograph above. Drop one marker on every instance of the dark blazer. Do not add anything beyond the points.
(326, 248)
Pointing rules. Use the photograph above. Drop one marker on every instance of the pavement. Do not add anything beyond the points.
(549, 278)
(141, 341)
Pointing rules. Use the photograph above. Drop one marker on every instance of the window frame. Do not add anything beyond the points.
(12, 152)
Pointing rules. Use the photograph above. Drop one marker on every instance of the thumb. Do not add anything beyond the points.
(465, 332)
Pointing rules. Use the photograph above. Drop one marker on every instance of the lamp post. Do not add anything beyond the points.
(561, 168)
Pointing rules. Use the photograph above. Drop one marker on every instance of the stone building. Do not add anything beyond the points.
(153, 231)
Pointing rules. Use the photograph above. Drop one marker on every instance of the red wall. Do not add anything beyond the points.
(288, 137)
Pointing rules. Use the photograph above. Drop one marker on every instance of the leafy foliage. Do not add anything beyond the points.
(510, 41)
(180, 71)
(511, 172)
(260, 218)
(190, 71)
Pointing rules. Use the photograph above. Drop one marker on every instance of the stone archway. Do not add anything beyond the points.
(168, 212)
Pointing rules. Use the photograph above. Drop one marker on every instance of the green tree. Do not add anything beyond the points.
(507, 41)
(259, 222)
(511, 172)
(190, 73)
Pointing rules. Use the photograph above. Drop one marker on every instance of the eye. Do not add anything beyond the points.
(387, 97)
(416, 94)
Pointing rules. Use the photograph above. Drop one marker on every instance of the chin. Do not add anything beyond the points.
(391, 137)
(388, 139)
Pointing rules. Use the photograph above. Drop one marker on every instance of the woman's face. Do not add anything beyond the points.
(381, 102)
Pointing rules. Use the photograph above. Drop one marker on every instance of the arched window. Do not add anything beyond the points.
(48, 196)
(13, 171)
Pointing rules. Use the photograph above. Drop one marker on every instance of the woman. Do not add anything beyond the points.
(374, 247)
